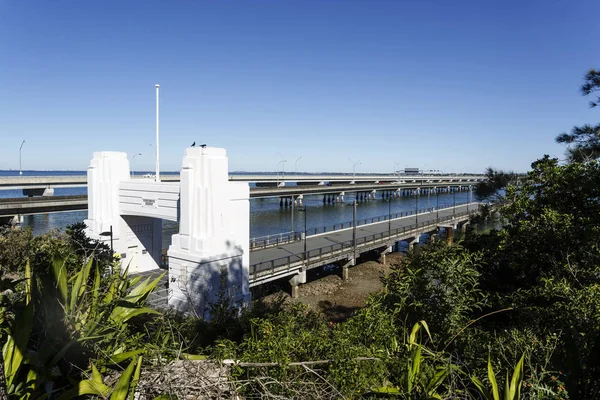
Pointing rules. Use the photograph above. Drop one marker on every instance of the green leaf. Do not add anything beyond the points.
(436, 381)
(517, 378)
(86, 388)
(122, 387)
(484, 392)
(386, 390)
(492, 379)
(96, 377)
(120, 357)
(60, 275)
(13, 358)
(143, 289)
(193, 357)
(123, 314)
(136, 377)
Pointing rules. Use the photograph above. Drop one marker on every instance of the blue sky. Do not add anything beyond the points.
(450, 85)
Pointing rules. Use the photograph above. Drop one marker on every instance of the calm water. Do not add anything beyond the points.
(266, 216)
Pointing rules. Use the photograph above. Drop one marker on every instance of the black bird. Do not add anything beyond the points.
(194, 144)
(203, 145)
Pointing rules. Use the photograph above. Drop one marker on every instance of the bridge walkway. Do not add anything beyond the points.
(287, 259)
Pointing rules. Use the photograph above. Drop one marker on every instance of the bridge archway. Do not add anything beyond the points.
(213, 216)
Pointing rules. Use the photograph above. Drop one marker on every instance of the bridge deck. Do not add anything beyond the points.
(285, 259)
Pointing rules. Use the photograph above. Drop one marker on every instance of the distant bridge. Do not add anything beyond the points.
(45, 182)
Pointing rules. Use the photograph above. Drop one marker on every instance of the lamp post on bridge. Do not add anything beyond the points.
(282, 162)
(20, 168)
(437, 203)
(133, 158)
(453, 202)
(389, 215)
(417, 209)
(296, 165)
(305, 257)
(354, 164)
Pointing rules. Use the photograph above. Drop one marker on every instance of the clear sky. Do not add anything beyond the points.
(452, 85)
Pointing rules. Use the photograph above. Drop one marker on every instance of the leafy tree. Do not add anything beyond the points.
(591, 85)
(584, 141)
(545, 263)
(440, 285)
(495, 182)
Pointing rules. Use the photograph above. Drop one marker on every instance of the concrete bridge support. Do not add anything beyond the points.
(450, 234)
(295, 281)
(350, 263)
(211, 250)
(383, 252)
(411, 243)
(38, 192)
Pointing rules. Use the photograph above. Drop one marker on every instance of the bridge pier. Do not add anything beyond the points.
(350, 263)
(449, 235)
(38, 192)
(411, 243)
(383, 252)
(295, 281)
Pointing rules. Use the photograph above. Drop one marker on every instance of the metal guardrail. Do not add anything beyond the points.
(277, 239)
(285, 264)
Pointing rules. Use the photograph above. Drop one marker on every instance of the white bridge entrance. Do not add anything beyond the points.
(211, 249)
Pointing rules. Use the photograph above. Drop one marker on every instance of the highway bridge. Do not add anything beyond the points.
(260, 180)
(48, 204)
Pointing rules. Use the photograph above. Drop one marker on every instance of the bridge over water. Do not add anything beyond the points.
(212, 210)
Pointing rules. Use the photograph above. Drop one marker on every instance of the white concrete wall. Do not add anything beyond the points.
(147, 198)
(213, 214)
(137, 239)
(213, 236)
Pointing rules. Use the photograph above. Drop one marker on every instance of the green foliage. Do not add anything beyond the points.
(124, 388)
(512, 388)
(584, 141)
(438, 285)
(495, 181)
(64, 322)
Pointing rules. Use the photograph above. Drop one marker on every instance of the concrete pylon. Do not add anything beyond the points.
(138, 240)
(211, 250)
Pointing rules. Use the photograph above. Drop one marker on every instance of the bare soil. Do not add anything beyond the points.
(325, 291)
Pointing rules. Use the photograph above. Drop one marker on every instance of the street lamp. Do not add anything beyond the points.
(469, 199)
(417, 209)
(109, 233)
(296, 165)
(20, 169)
(397, 169)
(453, 202)
(305, 212)
(133, 158)
(283, 161)
(389, 215)
(354, 164)
(437, 203)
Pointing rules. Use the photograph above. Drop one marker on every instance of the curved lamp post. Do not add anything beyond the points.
(354, 164)
(20, 169)
(133, 158)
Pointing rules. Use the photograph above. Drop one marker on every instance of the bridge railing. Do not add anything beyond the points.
(283, 264)
(289, 237)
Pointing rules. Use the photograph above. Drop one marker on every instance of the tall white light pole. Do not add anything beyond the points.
(157, 137)
(21, 169)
